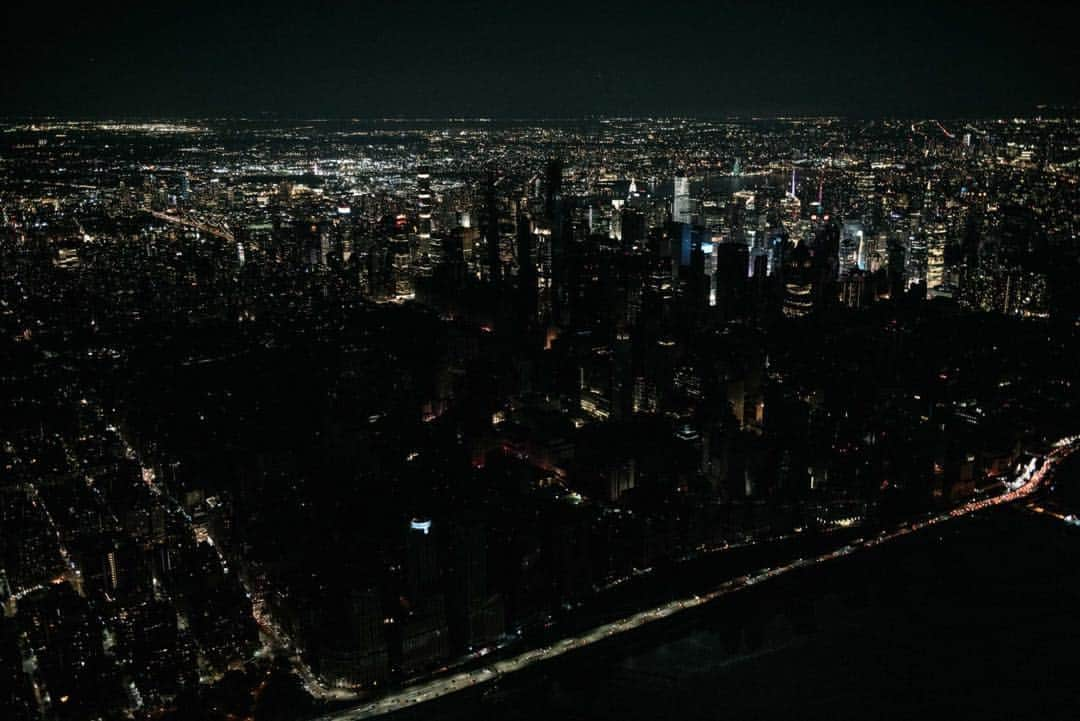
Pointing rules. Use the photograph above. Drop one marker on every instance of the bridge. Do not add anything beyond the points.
(218, 232)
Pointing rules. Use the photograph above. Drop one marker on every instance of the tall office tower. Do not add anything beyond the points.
(452, 263)
(476, 614)
(314, 242)
(491, 231)
(402, 268)
(877, 247)
(935, 258)
(896, 269)
(916, 257)
(355, 653)
(553, 208)
(798, 282)
(775, 250)
(526, 273)
(709, 249)
(863, 252)
(421, 558)
(931, 203)
(622, 379)
(698, 286)
(856, 289)
(424, 634)
(732, 262)
(865, 197)
(423, 205)
(790, 205)
(826, 254)
(679, 238)
(553, 187)
(364, 633)
(680, 205)
(634, 227)
(851, 242)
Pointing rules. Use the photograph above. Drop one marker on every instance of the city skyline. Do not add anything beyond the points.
(394, 414)
(536, 360)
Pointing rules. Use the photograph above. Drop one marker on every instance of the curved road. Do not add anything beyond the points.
(1028, 480)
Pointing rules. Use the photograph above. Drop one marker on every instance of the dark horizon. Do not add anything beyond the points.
(487, 60)
(1047, 111)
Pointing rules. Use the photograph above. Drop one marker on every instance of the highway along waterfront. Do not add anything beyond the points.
(807, 622)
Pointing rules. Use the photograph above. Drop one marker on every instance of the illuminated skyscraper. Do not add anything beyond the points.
(852, 247)
(916, 258)
(680, 205)
(935, 256)
(798, 282)
(423, 204)
(790, 205)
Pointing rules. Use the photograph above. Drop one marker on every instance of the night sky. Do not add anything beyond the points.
(535, 59)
